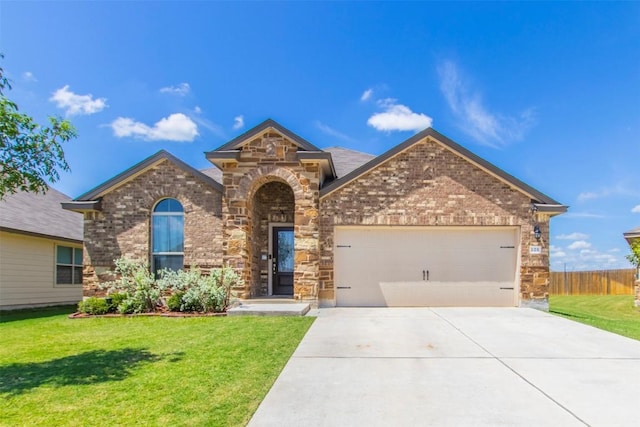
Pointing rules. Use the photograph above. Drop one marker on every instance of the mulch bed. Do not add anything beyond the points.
(78, 315)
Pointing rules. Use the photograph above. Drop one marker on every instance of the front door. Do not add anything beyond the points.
(282, 261)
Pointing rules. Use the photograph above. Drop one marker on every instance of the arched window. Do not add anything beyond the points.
(167, 238)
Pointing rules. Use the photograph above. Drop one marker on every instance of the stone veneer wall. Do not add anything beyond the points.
(428, 185)
(271, 158)
(123, 226)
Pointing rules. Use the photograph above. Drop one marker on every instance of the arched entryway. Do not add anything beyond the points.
(272, 213)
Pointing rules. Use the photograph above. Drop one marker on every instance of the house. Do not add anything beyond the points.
(40, 251)
(427, 223)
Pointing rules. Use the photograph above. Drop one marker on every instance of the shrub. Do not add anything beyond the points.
(93, 305)
(136, 290)
(200, 292)
(137, 283)
(174, 303)
(116, 301)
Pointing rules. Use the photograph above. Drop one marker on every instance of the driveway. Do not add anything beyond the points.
(454, 367)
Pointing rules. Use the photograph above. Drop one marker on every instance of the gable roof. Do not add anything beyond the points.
(544, 202)
(632, 234)
(40, 215)
(306, 151)
(238, 141)
(94, 194)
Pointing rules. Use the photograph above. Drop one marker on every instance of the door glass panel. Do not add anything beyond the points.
(285, 251)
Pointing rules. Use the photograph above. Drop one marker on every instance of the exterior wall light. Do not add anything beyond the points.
(536, 232)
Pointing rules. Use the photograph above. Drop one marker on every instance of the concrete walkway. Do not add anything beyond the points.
(455, 367)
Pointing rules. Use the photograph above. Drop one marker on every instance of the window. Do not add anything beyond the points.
(68, 265)
(167, 241)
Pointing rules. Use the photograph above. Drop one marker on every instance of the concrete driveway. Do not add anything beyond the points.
(455, 367)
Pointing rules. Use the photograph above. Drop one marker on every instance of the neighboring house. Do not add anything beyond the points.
(40, 251)
(427, 223)
(631, 236)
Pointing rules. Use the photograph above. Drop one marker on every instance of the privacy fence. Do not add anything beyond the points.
(603, 282)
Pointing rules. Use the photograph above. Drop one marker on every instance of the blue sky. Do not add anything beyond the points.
(549, 92)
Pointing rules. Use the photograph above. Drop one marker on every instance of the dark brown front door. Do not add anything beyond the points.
(282, 265)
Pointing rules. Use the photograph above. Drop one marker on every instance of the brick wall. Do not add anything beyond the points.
(428, 185)
(123, 226)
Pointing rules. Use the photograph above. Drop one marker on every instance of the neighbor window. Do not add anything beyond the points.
(68, 265)
(167, 239)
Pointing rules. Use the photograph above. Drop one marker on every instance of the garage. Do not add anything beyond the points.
(377, 266)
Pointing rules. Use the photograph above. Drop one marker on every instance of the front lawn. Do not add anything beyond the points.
(614, 313)
(140, 370)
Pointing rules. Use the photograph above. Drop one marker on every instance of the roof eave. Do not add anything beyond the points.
(220, 157)
(551, 209)
(41, 235)
(322, 157)
(83, 206)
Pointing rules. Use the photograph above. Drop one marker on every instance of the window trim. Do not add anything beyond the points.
(73, 265)
(154, 214)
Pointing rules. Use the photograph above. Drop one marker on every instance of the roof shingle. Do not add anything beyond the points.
(40, 214)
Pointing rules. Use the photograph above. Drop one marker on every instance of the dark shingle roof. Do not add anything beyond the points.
(40, 214)
(213, 173)
(346, 160)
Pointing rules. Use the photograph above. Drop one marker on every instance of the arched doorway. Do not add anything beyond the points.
(272, 239)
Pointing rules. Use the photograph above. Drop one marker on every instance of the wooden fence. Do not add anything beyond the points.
(603, 282)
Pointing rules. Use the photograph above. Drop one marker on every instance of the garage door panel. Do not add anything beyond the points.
(389, 266)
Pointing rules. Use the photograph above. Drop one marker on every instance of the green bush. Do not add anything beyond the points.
(136, 281)
(174, 303)
(200, 292)
(116, 301)
(93, 305)
(136, 290)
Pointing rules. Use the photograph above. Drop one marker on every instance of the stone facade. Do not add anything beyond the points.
(267, 159)
(123, 226)
(428, 185)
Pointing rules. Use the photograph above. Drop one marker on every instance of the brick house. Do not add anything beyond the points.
(426, 223)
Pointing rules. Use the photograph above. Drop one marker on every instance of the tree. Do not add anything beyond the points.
(30, 154)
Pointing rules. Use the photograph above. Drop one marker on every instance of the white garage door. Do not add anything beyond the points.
(426, 266)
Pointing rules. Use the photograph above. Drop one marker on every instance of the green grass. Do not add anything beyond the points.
(139, 370)
(614, 313)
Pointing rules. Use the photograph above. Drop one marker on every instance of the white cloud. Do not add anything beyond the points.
(176, 127)
(475, 119)
(238, 122)
(197, 110)
(573, 236)
(366, 95)
(77, 104)
(182, 89)
(29, 77)
(398, 117)
(579, 244)
(583, 215)
(332, 132)
(636, 209)
(619, 189)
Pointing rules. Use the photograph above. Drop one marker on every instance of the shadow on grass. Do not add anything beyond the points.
(92, 367)
(35, 313)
